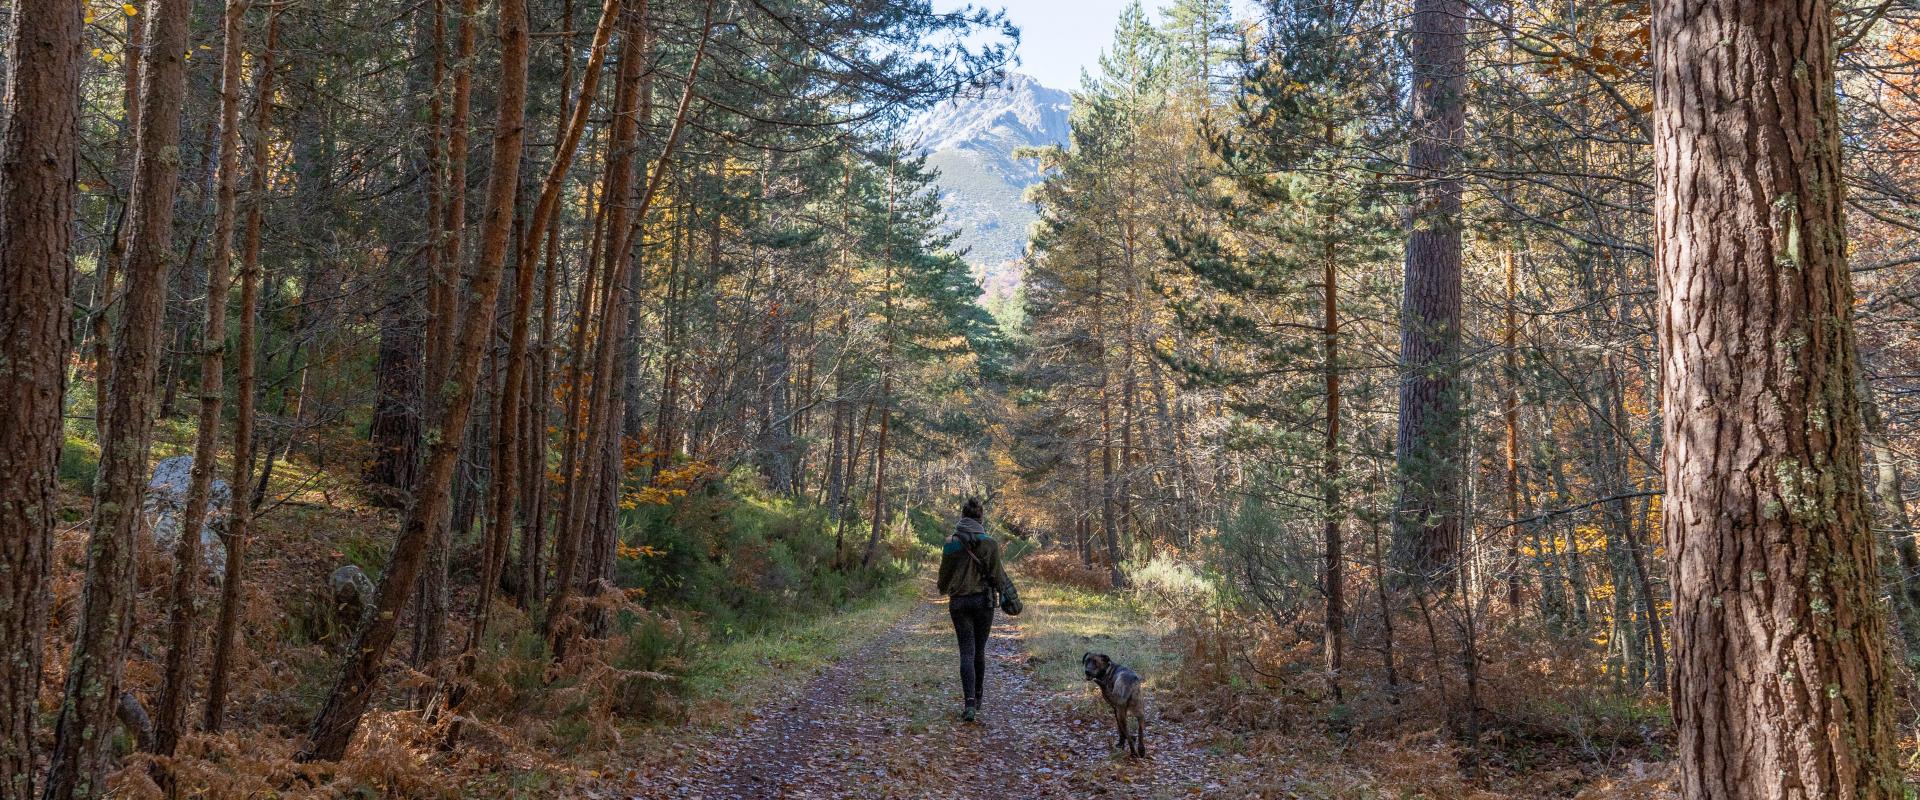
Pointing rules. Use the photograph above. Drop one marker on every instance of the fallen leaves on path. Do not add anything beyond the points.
(884, 723)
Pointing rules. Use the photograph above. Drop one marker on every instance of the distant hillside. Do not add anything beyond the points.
(971, 141)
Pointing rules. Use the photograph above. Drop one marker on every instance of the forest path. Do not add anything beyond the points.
(884, 722)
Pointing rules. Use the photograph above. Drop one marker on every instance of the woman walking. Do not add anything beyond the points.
(970, 574)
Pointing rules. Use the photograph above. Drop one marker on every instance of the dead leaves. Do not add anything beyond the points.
(883, 723)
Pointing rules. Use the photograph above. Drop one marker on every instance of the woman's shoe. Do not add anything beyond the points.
(967, 715)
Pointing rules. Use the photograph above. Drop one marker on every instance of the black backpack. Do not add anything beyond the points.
(1008, 600)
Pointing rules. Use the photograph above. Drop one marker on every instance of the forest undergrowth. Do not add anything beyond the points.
(725, 590)
(1412, 389)
(732, 605)
(1548, 728)
(879, 720)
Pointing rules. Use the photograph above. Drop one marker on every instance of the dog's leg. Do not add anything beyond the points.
(1140, 733)
(1120, 721)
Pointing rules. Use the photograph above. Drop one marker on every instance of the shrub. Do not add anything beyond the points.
(79, 462)
(637, 672)
(1015, 548)
(1174, 584)
(650, 654)
(1263, 565)
(1064, 568)
(741, 560)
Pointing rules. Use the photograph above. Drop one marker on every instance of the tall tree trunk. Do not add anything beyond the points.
(566, 546)
(1550, 566)
(399, 364)
(241, 515)
(506, 456)
(1334, 566)
(539, 411)
(444, 308)
(395, 429)
(81, 747)
(333, 728)
(1109, 529)
(446, 325)
(1576, 567)
(1083, 522)
(1658, 670)
(37, 152)
(536, 408)
(886, 382)
(183, 605)
(1128, 399)
(131, 58)
(1427, 518)
(879, 473)
(1782, 687)
(621, 237)
(1608, 469)
(579, 520)
(1510, 419)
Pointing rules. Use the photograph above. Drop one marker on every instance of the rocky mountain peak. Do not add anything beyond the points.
(1018, 109)
(971, 140)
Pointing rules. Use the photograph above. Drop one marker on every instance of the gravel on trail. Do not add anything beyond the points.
(884, 723)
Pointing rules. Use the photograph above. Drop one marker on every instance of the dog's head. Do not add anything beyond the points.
(1095, 665)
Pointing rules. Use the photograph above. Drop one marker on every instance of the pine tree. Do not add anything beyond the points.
(1428, 515)
(38, 147)
(1307, 213)
(1205, 48)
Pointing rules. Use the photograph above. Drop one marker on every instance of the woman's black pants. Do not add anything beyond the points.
(972, 622)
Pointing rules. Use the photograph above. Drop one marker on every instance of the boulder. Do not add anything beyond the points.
(167, 502)
(350, 597)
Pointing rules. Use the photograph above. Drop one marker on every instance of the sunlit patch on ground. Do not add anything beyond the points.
(884, 722)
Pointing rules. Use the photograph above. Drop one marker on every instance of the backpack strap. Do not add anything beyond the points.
(985, 574)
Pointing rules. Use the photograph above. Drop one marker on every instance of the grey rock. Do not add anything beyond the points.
(350, 596)
(166, 503)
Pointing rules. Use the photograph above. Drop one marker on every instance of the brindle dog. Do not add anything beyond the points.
(1121, 688)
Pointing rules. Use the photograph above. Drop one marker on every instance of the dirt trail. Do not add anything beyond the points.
(883, 723)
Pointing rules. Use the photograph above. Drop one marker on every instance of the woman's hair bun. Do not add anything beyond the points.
(973, 508)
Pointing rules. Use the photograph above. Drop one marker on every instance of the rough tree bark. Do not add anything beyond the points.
(1427, 519)
(37, 150)
(395, 428)
(82, 740)
(1782, 688)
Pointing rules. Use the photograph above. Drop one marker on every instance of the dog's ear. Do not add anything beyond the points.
(1086, 656)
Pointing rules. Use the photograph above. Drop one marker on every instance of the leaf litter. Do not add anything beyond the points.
(884, 723)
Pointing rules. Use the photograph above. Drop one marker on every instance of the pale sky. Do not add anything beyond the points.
(1059, 37)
